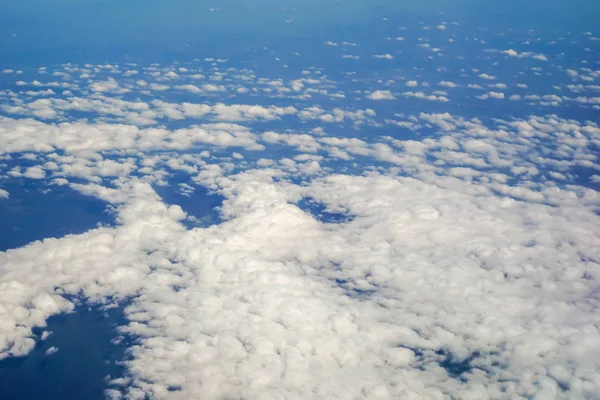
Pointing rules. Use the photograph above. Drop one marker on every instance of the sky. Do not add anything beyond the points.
(299, 200)
(110, 27)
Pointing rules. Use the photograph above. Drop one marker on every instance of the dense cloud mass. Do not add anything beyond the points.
(361, 252)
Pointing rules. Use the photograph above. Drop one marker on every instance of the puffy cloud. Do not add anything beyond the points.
(421, 95)
(381, 95)
(190, 88)
(513, 53)
(447, 84)
(295, 316)
(34, 173)
(487, 77)
(110, 85)
(491, 95)
(158, 87)
(209, 87)
(460, 263)
(17, 136)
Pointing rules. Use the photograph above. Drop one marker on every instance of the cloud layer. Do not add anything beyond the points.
(366, 249)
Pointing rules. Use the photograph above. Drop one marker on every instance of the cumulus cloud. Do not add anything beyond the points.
(458, 263)
(381, 95)
(295, 316)
(447, 84)
(513, 53)
(487, 77)
(34, 173)
(491, 95)
(423, 96)
(110, 85)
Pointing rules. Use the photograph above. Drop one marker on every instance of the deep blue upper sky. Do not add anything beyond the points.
(42, 29)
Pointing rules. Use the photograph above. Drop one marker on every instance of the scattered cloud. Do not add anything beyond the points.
(381, 95)
(396, 251)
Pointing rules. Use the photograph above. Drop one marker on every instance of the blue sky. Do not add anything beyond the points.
(284, 199)
(123, 27)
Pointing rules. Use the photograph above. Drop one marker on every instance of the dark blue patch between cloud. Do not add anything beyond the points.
(202, 205)
(35, 211)
(319, 211)
(87, 358)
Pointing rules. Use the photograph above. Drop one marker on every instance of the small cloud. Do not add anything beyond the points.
(526, 54)
(35, 173)
(384, 56)
(381, 95)
(491, 95)
(46, 335)
(487, 77)
(423, 96)
(447, 84)
(52, 350)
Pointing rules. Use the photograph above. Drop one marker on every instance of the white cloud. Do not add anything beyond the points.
(45, 335)
(471, 247)
(447, 84)
(487, 77)
(491, 95)
(513, 53)
(264, 324)
(190, 88)
(381, 95)
(110, 85)
(209, 87)
(421, 95)
(35, 173)
(158, 87)
(80, 137)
